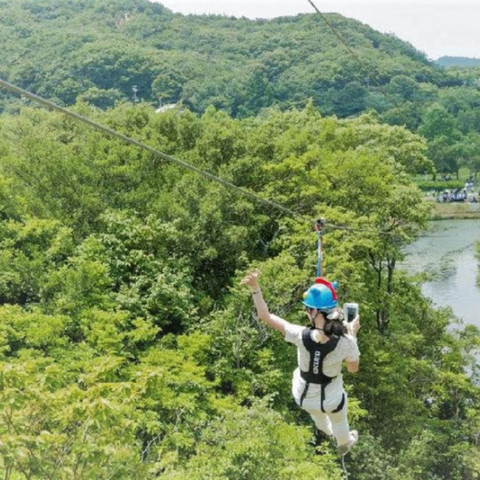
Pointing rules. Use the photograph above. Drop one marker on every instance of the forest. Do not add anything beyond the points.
(128, 349)
(97, 51)
(450, 62)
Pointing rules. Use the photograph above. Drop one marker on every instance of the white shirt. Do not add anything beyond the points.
(346, 349)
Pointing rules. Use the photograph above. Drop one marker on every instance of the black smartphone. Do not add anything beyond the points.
(350, 311)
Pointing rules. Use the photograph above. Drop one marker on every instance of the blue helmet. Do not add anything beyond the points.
(321, 295)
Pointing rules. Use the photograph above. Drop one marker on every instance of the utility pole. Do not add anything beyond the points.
(135, 91)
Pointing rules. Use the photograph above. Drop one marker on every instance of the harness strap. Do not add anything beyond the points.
(322, 398)
(319, 224)
(304, 394)
(341, 405)
(315, 375)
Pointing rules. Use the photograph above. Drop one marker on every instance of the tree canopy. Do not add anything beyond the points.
(101, 51)
(128, 349)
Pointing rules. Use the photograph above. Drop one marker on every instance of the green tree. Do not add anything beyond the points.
(127, 347)
(445, 140)
(103, 99)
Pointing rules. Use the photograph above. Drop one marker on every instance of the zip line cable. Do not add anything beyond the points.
(225, 183)
(346, 475)
(362, 64)
(364, 67)
(157, 153)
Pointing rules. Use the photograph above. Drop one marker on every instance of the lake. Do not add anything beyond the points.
(448, 252)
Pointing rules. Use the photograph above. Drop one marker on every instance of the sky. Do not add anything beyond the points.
(436, 27)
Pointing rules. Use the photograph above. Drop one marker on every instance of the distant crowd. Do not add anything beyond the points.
(458, 195)
(466, 194)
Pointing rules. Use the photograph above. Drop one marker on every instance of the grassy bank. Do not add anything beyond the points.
(447, 211)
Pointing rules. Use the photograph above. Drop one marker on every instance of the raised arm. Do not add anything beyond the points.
(251, 280)
(353, 327)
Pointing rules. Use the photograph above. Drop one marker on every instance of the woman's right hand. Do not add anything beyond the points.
(251, 279)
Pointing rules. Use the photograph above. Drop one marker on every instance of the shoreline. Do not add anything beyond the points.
(448, 252)
(455, 211)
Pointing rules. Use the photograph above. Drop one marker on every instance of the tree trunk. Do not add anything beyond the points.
(379, 315)
(383, 310)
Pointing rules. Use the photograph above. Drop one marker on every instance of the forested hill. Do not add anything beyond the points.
(458, 62)
(100, 49)
(128, 348)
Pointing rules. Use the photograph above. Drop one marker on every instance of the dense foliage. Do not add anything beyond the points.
(458, 62)
(127, 348)
(98, 50)
(428, 186)
(235, 64)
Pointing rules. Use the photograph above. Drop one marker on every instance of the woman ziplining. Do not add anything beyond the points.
(317, 384)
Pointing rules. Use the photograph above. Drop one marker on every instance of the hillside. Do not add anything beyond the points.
(458, 62)
(100, 52)
(129, 350)
(100, 49)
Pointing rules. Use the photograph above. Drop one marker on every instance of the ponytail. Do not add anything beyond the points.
(334, 323)
(334, 328)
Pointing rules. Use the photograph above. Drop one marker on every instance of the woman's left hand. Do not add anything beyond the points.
(354, 326)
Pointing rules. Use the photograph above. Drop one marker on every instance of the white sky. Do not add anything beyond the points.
(436, 27)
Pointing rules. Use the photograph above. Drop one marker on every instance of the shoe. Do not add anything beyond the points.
(345, 448)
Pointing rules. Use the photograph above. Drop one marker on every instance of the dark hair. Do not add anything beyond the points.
(334, 327)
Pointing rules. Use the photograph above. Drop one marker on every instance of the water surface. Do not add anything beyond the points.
(448, 252)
